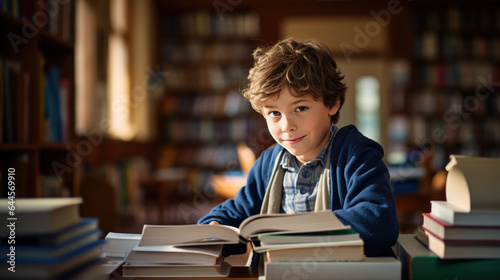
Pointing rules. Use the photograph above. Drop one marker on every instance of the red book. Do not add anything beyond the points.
(459, 249)
(448, 231)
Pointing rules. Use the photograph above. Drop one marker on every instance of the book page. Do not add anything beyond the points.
(164, 235)
(303, 222)
(473, 183)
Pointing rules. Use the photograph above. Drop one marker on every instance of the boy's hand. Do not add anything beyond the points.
(214, 223)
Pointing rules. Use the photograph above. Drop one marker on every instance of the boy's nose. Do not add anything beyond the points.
(288, 125)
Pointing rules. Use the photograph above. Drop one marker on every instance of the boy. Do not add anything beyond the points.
(314, 166)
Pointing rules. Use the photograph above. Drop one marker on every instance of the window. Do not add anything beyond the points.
(103, 68)
(118, 70)
(368, 106)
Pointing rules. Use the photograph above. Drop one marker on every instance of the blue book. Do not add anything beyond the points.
(54, 253)
(85, 225)
(50, 267)
(53, 104)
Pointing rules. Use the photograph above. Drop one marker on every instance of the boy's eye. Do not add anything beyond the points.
(274, 113)
(300, 109)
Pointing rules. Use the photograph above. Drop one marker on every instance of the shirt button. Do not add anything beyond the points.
(302, 191)
(305, 174)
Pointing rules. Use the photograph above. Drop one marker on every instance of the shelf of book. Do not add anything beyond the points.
(455, 69)
(37, 95)
(202, 115)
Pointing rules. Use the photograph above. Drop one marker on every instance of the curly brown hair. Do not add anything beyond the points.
(306, 67)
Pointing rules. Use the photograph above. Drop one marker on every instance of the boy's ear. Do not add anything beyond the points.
(333, 109)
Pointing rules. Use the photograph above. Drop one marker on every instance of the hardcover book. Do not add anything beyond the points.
(167, 270)
(154, 235)
(40, 215)
(418, 263)
(457, 216)
(459, 249)
(448, 231)
(195, 255)
(383, 268)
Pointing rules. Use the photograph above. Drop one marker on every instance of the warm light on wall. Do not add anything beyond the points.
(119, 81)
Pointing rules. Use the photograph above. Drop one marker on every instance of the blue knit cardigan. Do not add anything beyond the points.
(360, 192)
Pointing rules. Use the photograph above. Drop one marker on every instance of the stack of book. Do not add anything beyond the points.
(175, 261)
(338, 243)
(462, 232)
(290, 245)
(166, 251)
(115, 249)
(316, 253)
(419, 263)
(45, 238)
(467, 224)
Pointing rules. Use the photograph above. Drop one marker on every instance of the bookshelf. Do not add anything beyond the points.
(453, 104)
(37, 98)
(444, 93)
(202, 115)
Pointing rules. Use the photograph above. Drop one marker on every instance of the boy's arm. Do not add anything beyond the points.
(366, 197)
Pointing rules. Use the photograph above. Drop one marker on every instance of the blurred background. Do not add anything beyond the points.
(135, 105)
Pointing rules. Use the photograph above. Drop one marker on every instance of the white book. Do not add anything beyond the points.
(120, 244)
(197, 255)
(472, 183)
(458, 216)
(39, 216)
(383, 268)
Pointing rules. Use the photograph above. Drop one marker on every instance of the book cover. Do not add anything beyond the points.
(199, 255)
(313, 252)
(418, 263)
(251, 226)
(119, 244)
(52, 267)
(458, 216)
(383, 268)
(149, 270)
(40, 215)
(49, 252)
(459, 249)
(448, 231)
(319, 236)
(84, 226)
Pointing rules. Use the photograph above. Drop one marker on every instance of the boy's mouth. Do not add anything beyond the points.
(293, 141)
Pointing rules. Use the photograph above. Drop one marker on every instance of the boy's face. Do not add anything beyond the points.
(299, 124)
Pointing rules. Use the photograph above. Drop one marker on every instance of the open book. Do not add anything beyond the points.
(184, 235)
(473, 183)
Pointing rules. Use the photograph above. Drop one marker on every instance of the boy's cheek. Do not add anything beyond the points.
(273, 131)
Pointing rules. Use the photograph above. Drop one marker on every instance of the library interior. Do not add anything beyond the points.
(136, 106)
